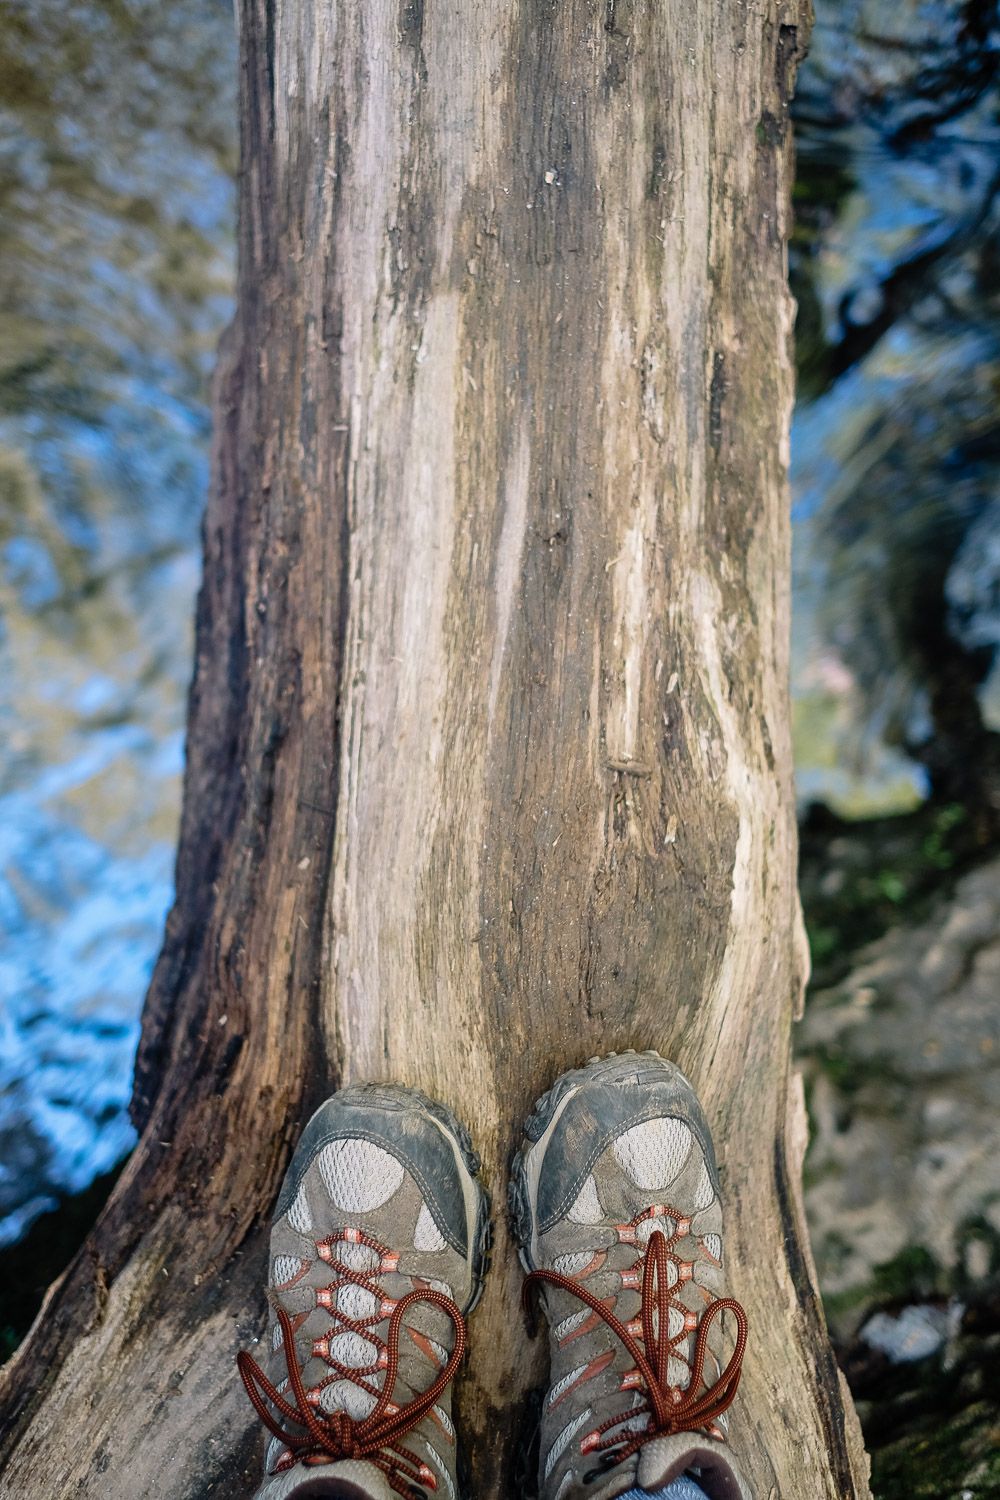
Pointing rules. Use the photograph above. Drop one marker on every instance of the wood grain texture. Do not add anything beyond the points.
(489, 762)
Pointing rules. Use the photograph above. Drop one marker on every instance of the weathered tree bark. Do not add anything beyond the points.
(489, 761)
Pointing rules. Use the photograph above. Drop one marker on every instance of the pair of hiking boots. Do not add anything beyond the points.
(378, 1255)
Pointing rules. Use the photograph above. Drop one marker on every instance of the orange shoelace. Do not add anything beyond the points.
(332, 1436)
(669, 1408)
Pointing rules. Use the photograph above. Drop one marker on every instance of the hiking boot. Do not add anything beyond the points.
(615, 1200)
(378, 1251)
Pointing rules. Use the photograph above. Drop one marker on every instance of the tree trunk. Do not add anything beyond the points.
(489, 763)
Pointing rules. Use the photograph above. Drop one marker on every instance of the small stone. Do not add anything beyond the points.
(913, 1334)
(977, 1259)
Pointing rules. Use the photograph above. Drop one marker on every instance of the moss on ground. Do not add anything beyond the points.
(859, 879)
(937, 1435)
(957, 1458)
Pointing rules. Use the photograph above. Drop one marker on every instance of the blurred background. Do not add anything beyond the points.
(117, 162)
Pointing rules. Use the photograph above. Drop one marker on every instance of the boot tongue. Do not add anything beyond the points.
(350, 1479)
(667, 1458)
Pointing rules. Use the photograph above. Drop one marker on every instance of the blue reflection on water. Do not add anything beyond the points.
(117, 246)
(898, 136)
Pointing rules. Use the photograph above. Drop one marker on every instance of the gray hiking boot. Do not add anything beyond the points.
(615, 1199)
(378, 1251)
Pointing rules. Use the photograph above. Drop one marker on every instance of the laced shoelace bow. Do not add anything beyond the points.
(333, 1436)
(670, 1408)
